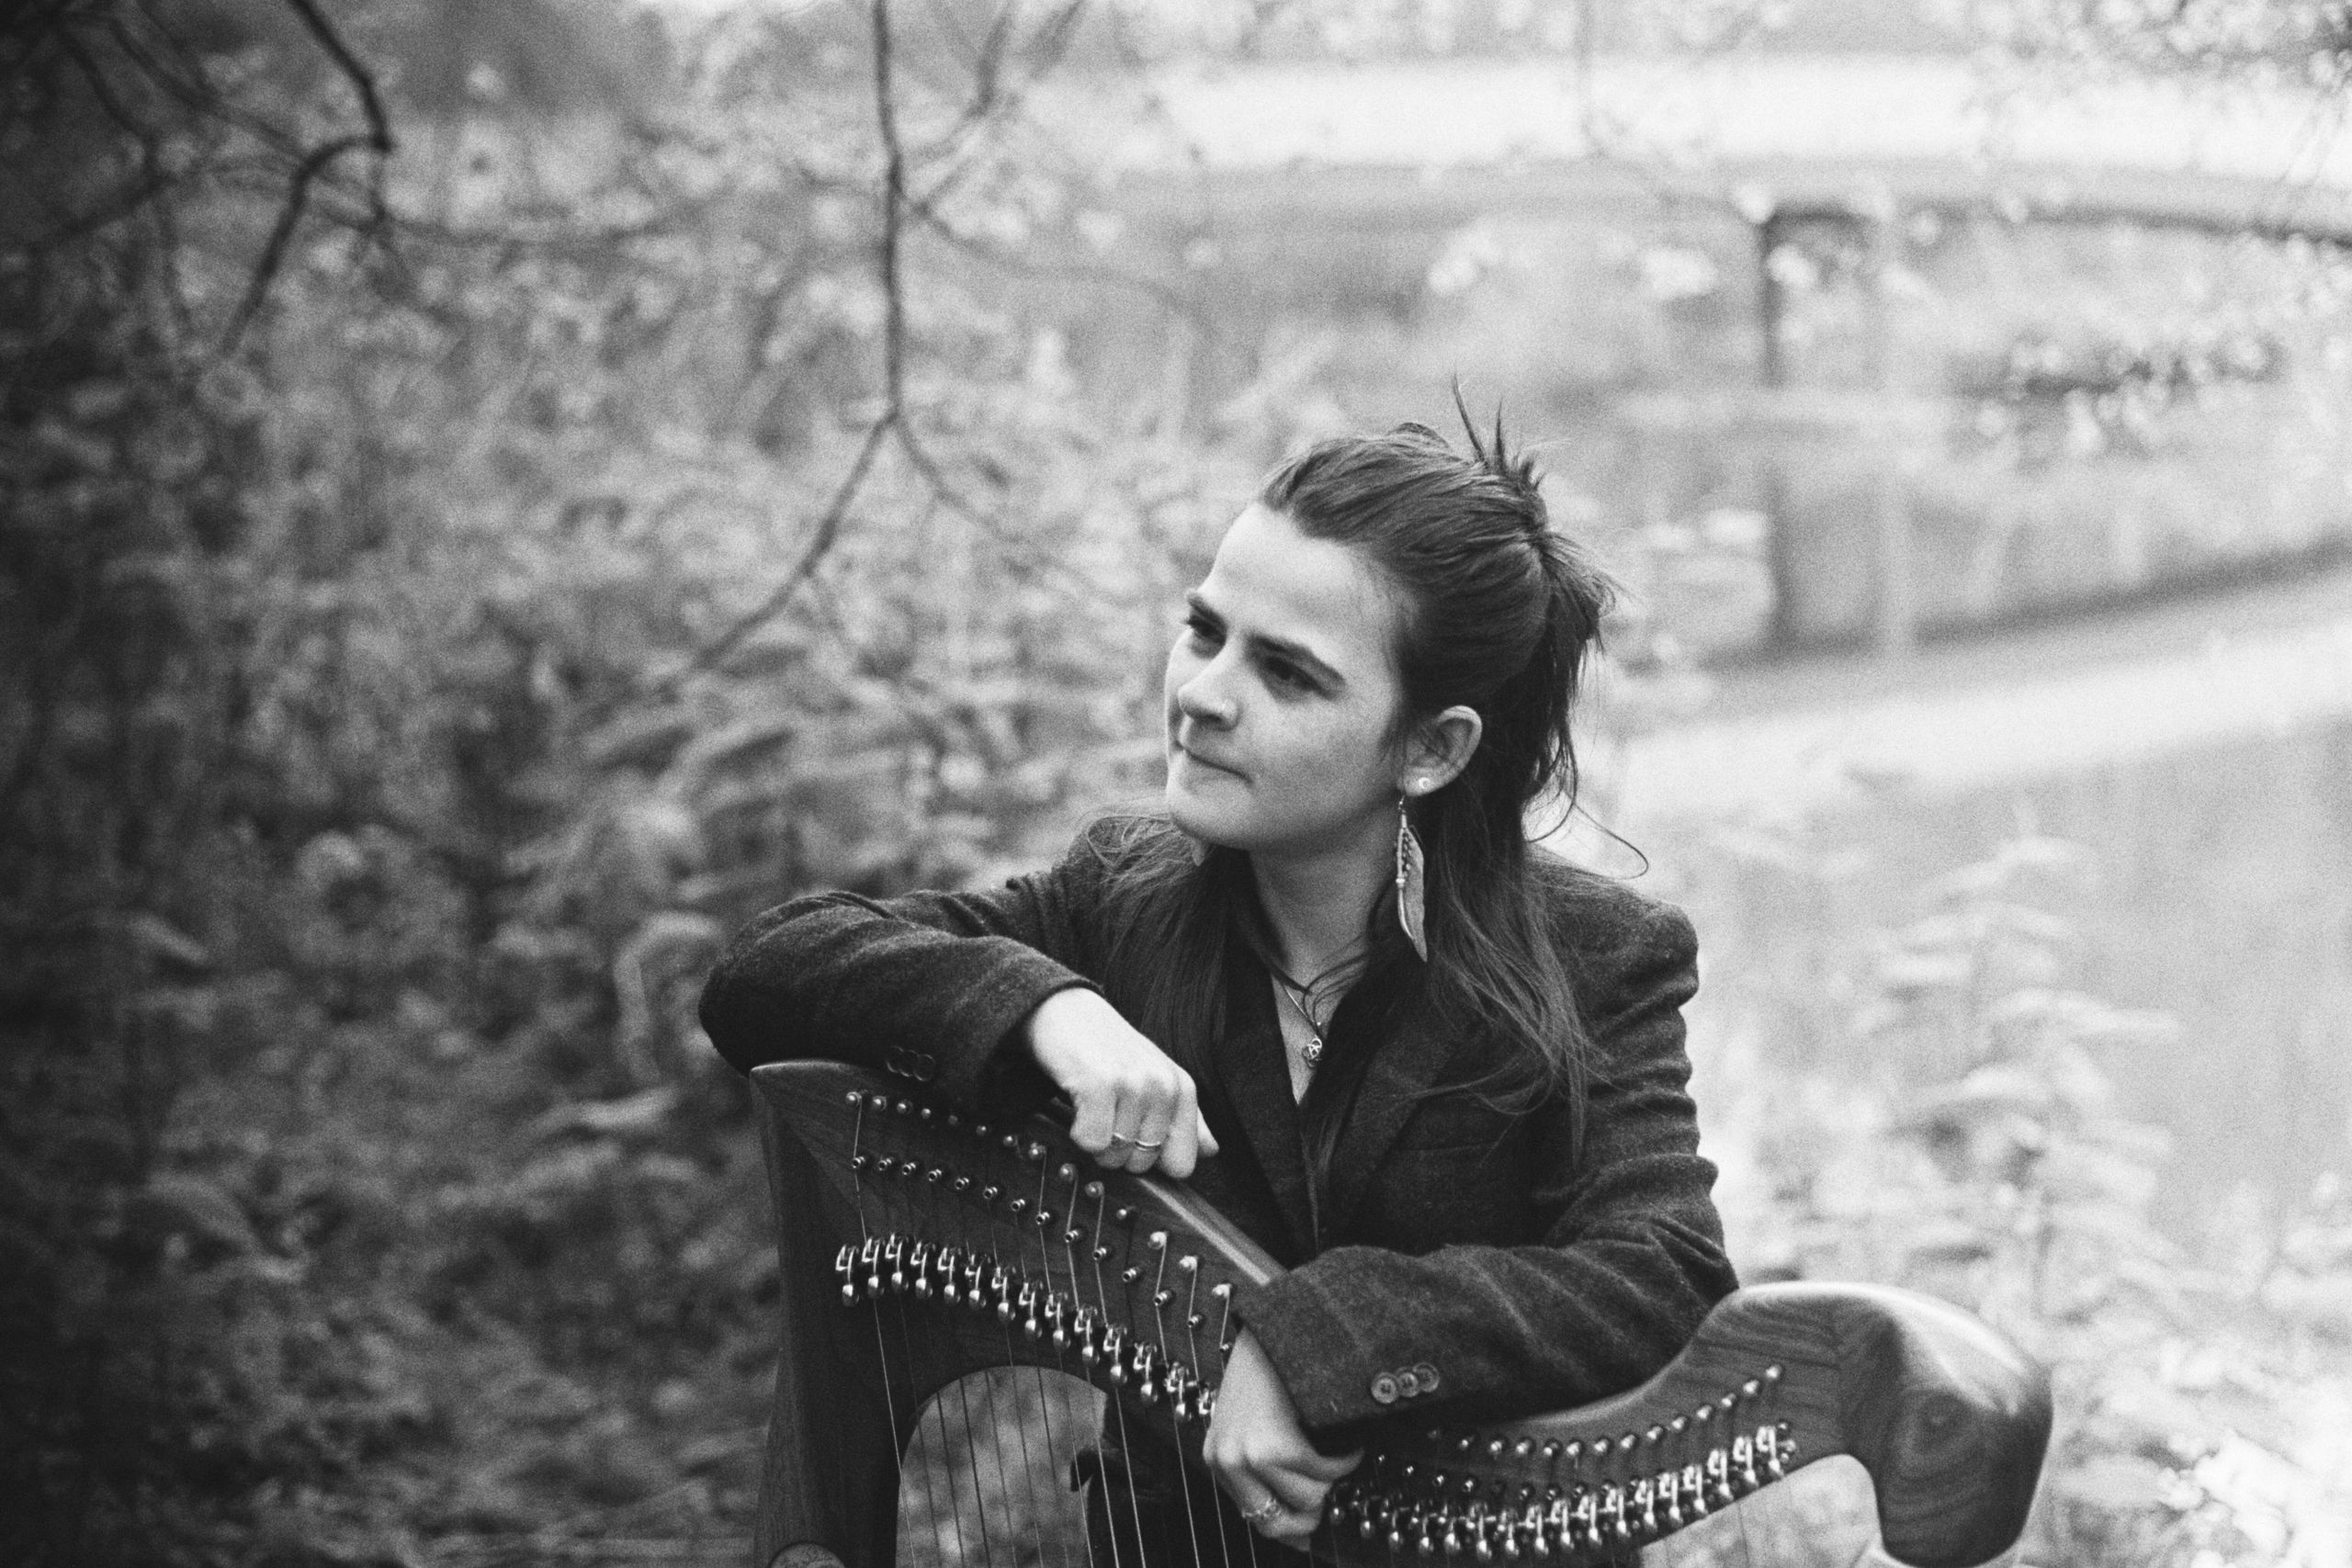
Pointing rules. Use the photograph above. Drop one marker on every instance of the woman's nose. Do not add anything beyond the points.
(1203, 699)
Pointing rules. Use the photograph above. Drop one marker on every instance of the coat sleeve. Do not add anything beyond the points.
(1630, 1259)
(927, 987)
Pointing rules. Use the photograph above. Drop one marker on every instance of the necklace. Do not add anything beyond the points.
(1298, 995)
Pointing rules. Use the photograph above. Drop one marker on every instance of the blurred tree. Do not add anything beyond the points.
(487, 496)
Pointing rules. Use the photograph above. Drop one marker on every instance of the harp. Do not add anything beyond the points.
(902, 1225)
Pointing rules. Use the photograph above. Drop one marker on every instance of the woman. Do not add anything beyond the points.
(1437, 1074)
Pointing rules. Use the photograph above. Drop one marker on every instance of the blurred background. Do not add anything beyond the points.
(492, 496)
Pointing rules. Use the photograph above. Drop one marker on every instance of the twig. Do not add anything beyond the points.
(893, 197)
(362, 81)
(375, 140)
(894, 328)
(289, 216)
(828, 529)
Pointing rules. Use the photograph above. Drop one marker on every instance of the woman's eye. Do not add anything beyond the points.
(1202, 630)
(1288, 676)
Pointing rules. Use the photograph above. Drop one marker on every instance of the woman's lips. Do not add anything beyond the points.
(1192, 756)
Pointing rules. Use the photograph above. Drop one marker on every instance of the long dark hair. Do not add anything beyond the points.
(1498, 614)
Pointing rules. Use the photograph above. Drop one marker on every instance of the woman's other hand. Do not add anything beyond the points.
(1136, 1109)
(1261, 1454)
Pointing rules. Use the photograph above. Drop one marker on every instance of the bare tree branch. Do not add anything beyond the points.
(362, 81)
(894, 199)
(821, 542)
(289, 217)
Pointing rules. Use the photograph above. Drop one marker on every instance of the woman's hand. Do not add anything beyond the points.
(1260, 1452)
(1136, 1109)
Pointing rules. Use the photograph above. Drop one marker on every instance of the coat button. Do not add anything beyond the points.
(1407, 1385)
(1384, 1389)
(1428, 1376)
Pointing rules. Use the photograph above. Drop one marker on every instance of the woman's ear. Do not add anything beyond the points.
(1440, 747)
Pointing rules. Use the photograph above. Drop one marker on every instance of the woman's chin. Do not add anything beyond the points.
(1195, 817)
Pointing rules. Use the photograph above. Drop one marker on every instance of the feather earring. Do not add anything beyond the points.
(1411, 908)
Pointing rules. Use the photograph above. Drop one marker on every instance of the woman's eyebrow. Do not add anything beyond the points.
(1297, 653)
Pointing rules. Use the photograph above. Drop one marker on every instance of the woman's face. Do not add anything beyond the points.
(1281, 696)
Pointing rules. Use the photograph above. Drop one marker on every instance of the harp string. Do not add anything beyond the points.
(1095, 1190)
(1059, 1335)
(1163, 1244)
(950, 1373)
(1040, 1535)
(881, 1345)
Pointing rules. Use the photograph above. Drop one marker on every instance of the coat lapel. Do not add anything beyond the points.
(1250, 1066)
(1394, 1081)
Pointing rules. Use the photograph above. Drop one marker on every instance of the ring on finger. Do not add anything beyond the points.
(1155, 1143)
(1263, 1512)
(1118, 1138)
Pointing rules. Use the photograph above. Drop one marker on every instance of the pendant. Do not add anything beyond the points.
(1312, 1052)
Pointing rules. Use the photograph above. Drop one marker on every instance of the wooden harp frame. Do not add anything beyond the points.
(1002, 1245)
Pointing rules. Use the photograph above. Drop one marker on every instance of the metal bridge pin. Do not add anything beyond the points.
(856, 1099)
(1751, 1388)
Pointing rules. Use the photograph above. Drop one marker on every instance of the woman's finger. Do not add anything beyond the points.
(1155, 1118)
(1095, 1119)
(1283, 1511)
(1184, 1131)
(1301, 1494)
(1326, 1468)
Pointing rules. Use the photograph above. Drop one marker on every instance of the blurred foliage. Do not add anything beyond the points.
(443, 593)
(490, 496)
(2200, 1390)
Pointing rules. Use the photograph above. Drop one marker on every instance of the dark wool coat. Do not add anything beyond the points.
(1469, 1265)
